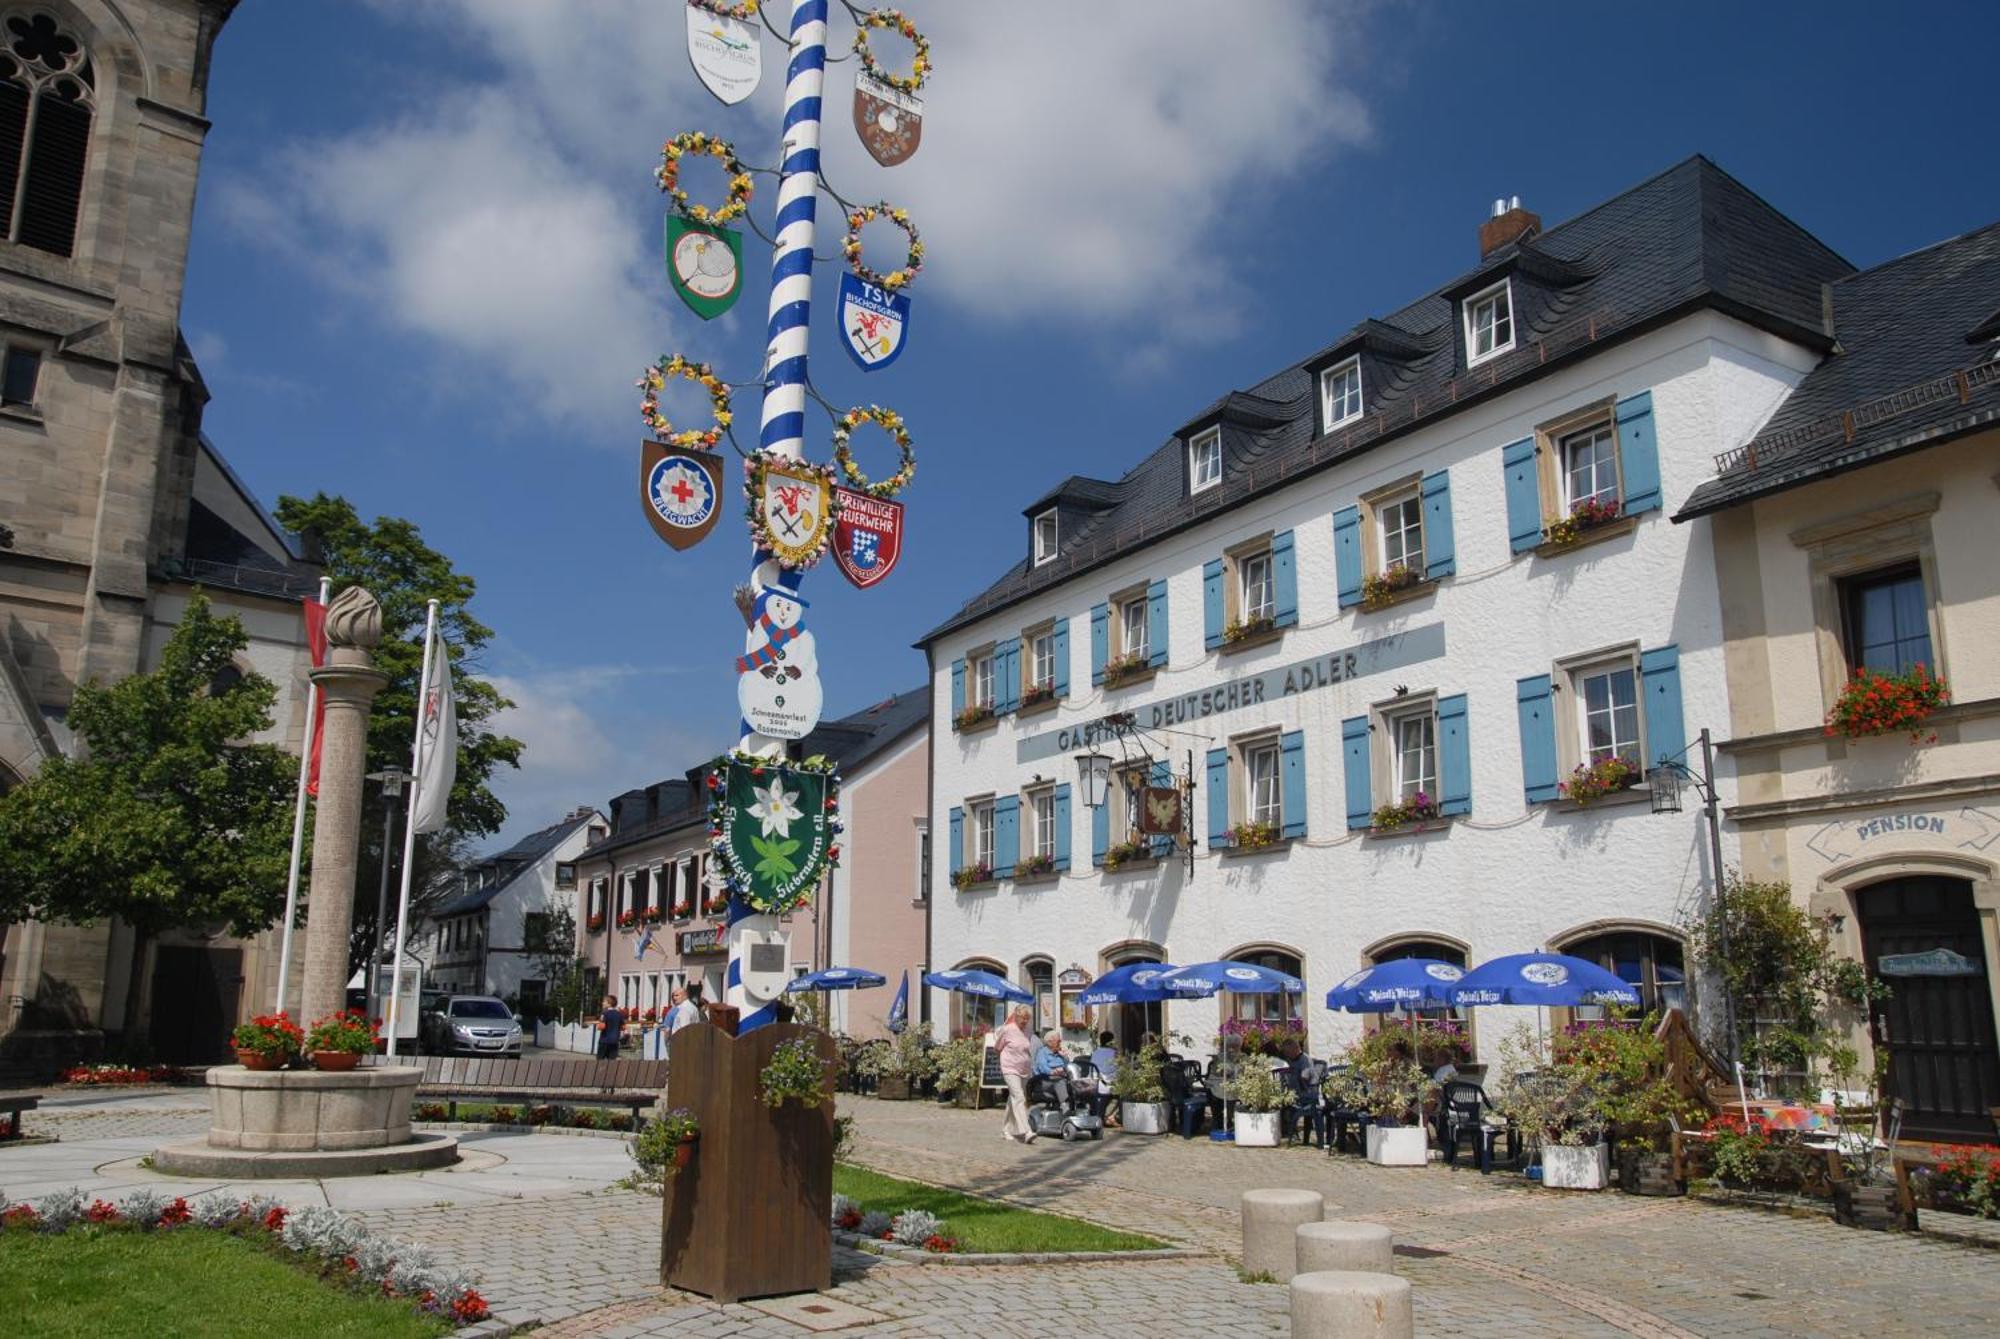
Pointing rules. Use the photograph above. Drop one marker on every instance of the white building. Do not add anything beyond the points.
(489, 940)
(1244, 579)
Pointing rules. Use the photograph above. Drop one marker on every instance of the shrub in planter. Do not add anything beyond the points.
(1555, 1105)
(1141, 1096)
(339, 1040)
(1881, 704)
(1382, 1079)
(910, 1057)
(1626, 1065)
(267, 1041)
(960, 1062)
(665, 1145)
(1258, 1096)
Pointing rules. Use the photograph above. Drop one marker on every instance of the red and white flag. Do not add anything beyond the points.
(316, 644)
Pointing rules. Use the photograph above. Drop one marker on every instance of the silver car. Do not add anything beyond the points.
(472, 1025)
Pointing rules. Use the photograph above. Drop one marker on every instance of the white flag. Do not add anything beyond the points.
(439, 752)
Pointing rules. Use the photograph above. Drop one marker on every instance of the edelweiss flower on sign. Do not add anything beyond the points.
(774, 808)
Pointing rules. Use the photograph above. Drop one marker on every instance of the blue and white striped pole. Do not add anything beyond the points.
(784, 421)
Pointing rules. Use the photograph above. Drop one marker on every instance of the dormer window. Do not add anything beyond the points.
(1045, 536)
(1489, 323)
(1340, 393)
(1205, 461)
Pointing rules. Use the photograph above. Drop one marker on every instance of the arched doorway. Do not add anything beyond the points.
(1655, 963)
(1129, 1022)
(973, 1014)
(1921, 936)
(1038, 977)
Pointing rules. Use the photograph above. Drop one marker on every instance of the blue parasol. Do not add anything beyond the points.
(1134, 983)
(1400, 983)
(1542, 979)
(838, 978)
(972, 981)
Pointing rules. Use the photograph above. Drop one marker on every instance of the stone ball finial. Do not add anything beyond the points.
(354, 619)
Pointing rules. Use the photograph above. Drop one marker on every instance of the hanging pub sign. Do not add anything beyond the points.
(774, 829)
(874, 323)
(724, 50)
(1160, 811)
(868, 538)
(792, 508)
(777, 676)
(680, 488)
(705, 266)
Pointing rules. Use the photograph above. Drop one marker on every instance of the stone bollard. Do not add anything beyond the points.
(1335, 1246)
(1270, 1218)
(1350, 1304)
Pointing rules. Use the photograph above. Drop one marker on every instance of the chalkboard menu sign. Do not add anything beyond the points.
(990, 1076)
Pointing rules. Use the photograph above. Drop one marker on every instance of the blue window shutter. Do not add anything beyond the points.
(1440, 551)
(1100, 831)
(1355, 766)
(955, 857)
(1062, 826)
(1211, 603)
(957, 686)
(1156, 624)
(1007, 675)
(1292, 782)
(1162, 775)
(1006, 835)
(1218, 799)
(1100, 630)
(1062, 657)
(1660, 673)
(1454, 757)
(1347, 555)
(1284, 579)
(1524, 494)
(1639, 453)
(1538, 738)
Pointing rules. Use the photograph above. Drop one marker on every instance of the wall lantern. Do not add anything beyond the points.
(1093, 777)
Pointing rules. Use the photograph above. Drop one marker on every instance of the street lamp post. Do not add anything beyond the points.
(1664, 781)
(391, 779)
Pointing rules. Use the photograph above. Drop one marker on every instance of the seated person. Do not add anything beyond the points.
(1052, 1066)
(1185, 1098)
(1303, 1111)
(1105, 1061)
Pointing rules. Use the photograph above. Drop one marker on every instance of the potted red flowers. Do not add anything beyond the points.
(1879, 704)
(267, 1041)
(338, 1041)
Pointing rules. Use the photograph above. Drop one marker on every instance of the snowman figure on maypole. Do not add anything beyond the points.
(774, 820)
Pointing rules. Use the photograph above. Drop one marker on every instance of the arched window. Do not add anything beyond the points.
(1267, 1008)
(1652, 962)
(1040, 974)
(971, 1014)
(47, 94)
(1426, 948)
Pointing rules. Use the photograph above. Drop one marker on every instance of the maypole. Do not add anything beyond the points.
(783, 424)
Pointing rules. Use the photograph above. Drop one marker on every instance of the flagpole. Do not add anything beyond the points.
(784, 410)
(299, 825)
(410, 822)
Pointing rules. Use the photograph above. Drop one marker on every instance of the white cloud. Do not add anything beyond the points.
(1112, 164)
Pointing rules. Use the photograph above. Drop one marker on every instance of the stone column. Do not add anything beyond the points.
(347, 685)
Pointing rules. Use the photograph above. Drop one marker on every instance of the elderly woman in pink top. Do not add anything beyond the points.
(1016, 1049)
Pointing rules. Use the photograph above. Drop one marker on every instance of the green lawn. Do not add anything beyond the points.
(983, 1225)
(188, 1281)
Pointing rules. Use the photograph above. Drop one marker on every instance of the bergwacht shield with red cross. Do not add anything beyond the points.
(681, 490)
(868, 537)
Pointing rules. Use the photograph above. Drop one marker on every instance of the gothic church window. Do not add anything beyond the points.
(47, 97)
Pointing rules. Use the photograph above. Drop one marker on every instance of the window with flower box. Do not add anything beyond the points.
(974, 843)
(1046, 850)
(1251, 592)
(1044, 664)
(1885, 620)
(1595, 726)
(1582, 475)
(1408, 763)
(977, 684)
(1256, 790)
(1128, 635)
(1395, 542)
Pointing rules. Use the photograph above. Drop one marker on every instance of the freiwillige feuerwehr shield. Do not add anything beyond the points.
(868, 537)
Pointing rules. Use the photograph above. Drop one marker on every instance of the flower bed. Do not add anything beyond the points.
(555, 1117)
(1966, 1179)
(1881, 704)
(100, 1076)
(1592, 781)
(324, 1240)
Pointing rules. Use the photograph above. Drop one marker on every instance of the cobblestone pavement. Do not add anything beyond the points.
(1487, 1255)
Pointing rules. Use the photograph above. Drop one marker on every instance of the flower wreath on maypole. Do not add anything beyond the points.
(744, 883)
(892, 423)
(850, 246)
(698, 143)
(759, 463)
(920, 69)
(654, 380)
(742, 13)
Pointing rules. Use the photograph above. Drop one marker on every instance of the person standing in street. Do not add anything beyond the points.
(1017, 1050)
(611, 1029)
(683, 1013)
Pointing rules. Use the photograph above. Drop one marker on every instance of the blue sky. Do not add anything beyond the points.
(425, 269)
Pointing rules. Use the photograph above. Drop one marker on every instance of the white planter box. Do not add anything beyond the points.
(1256, 1129)
(1398, 1146)
(1587, 1167)
(1143, 1117)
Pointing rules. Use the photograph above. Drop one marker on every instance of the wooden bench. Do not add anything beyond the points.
(12, 1105)
(636, 1084)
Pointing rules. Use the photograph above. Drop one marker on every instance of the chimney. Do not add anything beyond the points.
(1510, 223)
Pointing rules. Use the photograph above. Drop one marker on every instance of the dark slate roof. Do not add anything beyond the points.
(1914, 367)
(517, 860)
(1692, 237)
(850, 740)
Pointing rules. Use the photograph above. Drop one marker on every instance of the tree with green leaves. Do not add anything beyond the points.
(164, 816)
(389, 557)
